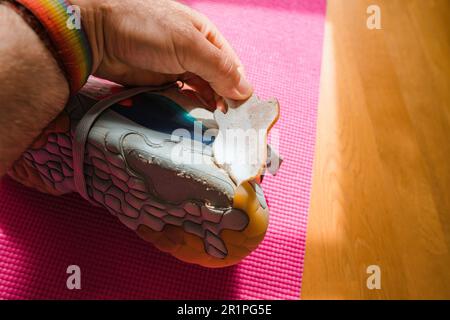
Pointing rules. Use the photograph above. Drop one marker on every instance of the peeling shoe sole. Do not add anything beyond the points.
(193, 211)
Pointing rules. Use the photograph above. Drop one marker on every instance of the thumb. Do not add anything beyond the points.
(220, 69)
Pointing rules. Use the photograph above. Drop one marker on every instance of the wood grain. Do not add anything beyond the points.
(381, 184)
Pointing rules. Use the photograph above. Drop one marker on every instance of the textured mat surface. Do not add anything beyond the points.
(280, 43)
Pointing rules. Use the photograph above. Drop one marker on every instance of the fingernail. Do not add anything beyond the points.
(244, 87)
(241, 70)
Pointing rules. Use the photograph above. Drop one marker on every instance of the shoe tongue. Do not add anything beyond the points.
(240, 147)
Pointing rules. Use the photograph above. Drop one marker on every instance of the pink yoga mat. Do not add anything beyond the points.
(280, 43)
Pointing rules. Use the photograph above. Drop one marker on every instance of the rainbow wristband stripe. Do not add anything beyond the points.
(71, 45)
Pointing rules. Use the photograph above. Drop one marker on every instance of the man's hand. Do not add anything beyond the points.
(150, 42)
(134, 42)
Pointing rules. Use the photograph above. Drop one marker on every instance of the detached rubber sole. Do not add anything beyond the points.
(193, 211)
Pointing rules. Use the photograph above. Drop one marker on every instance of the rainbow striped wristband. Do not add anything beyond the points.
(70, 44)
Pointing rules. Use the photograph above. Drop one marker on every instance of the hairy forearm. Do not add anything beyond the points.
(33, 90)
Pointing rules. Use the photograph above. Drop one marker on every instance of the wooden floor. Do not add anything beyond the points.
(381, 186)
